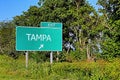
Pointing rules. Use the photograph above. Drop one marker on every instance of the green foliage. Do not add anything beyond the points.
(110, 46)
(92, 32)
(30, 18)
(111, 37)
(7, 37)
(74, 14)
(100, 70)
(110, 8)
(39, 57)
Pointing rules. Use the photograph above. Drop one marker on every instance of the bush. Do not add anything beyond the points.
(15, 69)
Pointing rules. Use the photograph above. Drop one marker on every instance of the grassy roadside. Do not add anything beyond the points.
(11, 69)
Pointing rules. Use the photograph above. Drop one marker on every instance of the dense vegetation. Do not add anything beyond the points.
(83, 70)
(87, 35)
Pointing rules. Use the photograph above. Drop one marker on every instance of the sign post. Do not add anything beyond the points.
(26, 54)
(51, 57)
(46, 38)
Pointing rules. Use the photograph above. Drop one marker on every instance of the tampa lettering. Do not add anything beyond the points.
(38, 37)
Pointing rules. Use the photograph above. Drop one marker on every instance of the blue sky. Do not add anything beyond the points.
(93, 3)
(11, 8)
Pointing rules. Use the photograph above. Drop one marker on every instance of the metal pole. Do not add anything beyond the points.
(26, 54)
(57, 59)
(51, 57)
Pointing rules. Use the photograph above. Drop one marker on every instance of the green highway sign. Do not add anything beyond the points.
(38, 39)
(51, 24)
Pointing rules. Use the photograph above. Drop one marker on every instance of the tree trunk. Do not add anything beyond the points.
(68, 50)
(88, 53)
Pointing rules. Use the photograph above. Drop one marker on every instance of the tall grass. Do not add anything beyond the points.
(11, 69)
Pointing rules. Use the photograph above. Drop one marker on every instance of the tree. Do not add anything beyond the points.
(29, 18)
(111, 11)
(86, 25)
(77, 16)
(7, 37)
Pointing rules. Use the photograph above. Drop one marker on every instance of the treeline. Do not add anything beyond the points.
(87, 33)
